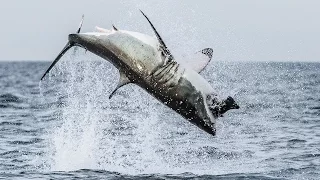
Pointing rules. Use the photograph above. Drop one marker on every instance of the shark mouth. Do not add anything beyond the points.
(218, 108)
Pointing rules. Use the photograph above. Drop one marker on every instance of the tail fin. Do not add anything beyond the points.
(64, 50)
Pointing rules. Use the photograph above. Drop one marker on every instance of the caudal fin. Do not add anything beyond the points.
(64, 50)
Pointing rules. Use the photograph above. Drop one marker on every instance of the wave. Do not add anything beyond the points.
(10, 98)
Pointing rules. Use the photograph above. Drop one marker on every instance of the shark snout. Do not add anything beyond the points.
(230, 102)
(235, 106)
(219, 108)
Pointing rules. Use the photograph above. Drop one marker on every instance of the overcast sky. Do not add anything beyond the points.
(238, 30)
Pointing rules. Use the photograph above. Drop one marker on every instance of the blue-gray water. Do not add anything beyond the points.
(66, 127)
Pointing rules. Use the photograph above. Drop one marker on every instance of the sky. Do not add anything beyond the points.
(237, 30)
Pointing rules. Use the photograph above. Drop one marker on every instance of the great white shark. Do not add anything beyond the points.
(147, 62)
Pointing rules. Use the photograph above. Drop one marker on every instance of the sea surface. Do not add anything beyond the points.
(65, 127)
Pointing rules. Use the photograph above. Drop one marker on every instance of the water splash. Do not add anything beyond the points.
(132, 133)
(94, 132)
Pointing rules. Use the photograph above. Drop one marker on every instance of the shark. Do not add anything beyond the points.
(147, 62)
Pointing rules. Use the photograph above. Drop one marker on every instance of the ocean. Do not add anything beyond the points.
(65, 127)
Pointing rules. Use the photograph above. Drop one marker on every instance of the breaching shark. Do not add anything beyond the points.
(147, 62)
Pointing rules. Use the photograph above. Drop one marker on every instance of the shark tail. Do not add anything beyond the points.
(64, 50)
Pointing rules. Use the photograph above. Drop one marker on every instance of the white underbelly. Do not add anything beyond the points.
(198, 81)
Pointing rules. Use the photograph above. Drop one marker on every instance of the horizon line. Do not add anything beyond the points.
(228, 61)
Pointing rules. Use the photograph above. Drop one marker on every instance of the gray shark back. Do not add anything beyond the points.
(137, 50)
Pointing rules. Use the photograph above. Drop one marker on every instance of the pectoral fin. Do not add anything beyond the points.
(199, 60)
(124, 80)
(163, 46)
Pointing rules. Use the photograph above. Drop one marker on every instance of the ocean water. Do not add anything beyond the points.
(66, 127)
